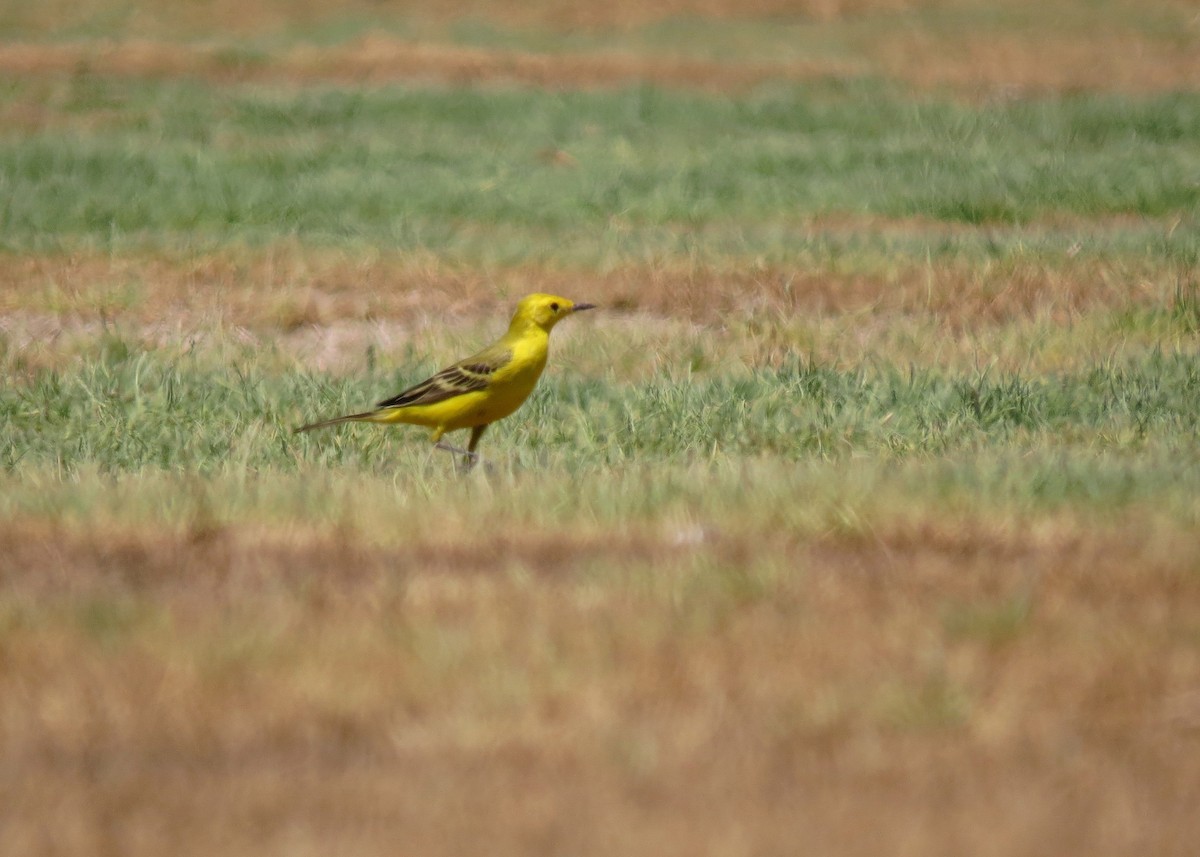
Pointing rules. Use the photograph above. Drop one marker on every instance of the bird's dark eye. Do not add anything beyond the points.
(554, 307)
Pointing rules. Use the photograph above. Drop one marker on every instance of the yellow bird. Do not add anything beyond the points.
(483, 388)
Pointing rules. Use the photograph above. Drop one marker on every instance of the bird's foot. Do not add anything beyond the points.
(457, 450)
(470, 459)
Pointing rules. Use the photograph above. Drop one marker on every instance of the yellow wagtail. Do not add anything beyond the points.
(483, 388)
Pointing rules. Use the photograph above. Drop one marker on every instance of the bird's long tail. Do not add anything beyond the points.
(349, 418)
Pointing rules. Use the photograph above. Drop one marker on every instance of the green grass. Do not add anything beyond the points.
(1027, 497)
(178, 164)
(176, 167)
(1105, 438)
(130, 410)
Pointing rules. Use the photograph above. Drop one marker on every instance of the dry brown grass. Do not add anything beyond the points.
(1052, 61)
(380, 59)
(157, 16)
(1045, 57)
(325, 309)
(286, 288)
(938, 688)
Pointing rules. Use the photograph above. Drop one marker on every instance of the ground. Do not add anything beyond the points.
(860, 518)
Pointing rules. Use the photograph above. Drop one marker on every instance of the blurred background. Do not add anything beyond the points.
(862, 518)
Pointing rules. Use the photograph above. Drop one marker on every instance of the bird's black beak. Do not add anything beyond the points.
(582, 307)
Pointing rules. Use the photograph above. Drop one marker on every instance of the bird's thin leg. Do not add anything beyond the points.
(473, 456)
(456, 450)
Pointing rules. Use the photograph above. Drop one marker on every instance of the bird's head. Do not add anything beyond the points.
(545, 311)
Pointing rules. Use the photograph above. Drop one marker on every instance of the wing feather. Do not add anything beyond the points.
(474, 373)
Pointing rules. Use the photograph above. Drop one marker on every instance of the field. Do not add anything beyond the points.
(863, 517)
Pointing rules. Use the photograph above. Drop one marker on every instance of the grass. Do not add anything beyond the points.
(622, 24)
(215, 631)
(127, 410)
(870, 494)
(457, 173)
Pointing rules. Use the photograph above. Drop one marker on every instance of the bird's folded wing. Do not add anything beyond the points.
(474, 373)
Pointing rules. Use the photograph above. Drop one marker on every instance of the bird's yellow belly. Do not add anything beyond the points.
(476, 408)
(480, 408)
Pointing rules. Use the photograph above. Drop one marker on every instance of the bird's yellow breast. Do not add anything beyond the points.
(511, 384)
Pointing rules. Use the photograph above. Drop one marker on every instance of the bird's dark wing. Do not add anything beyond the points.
(474, 373)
